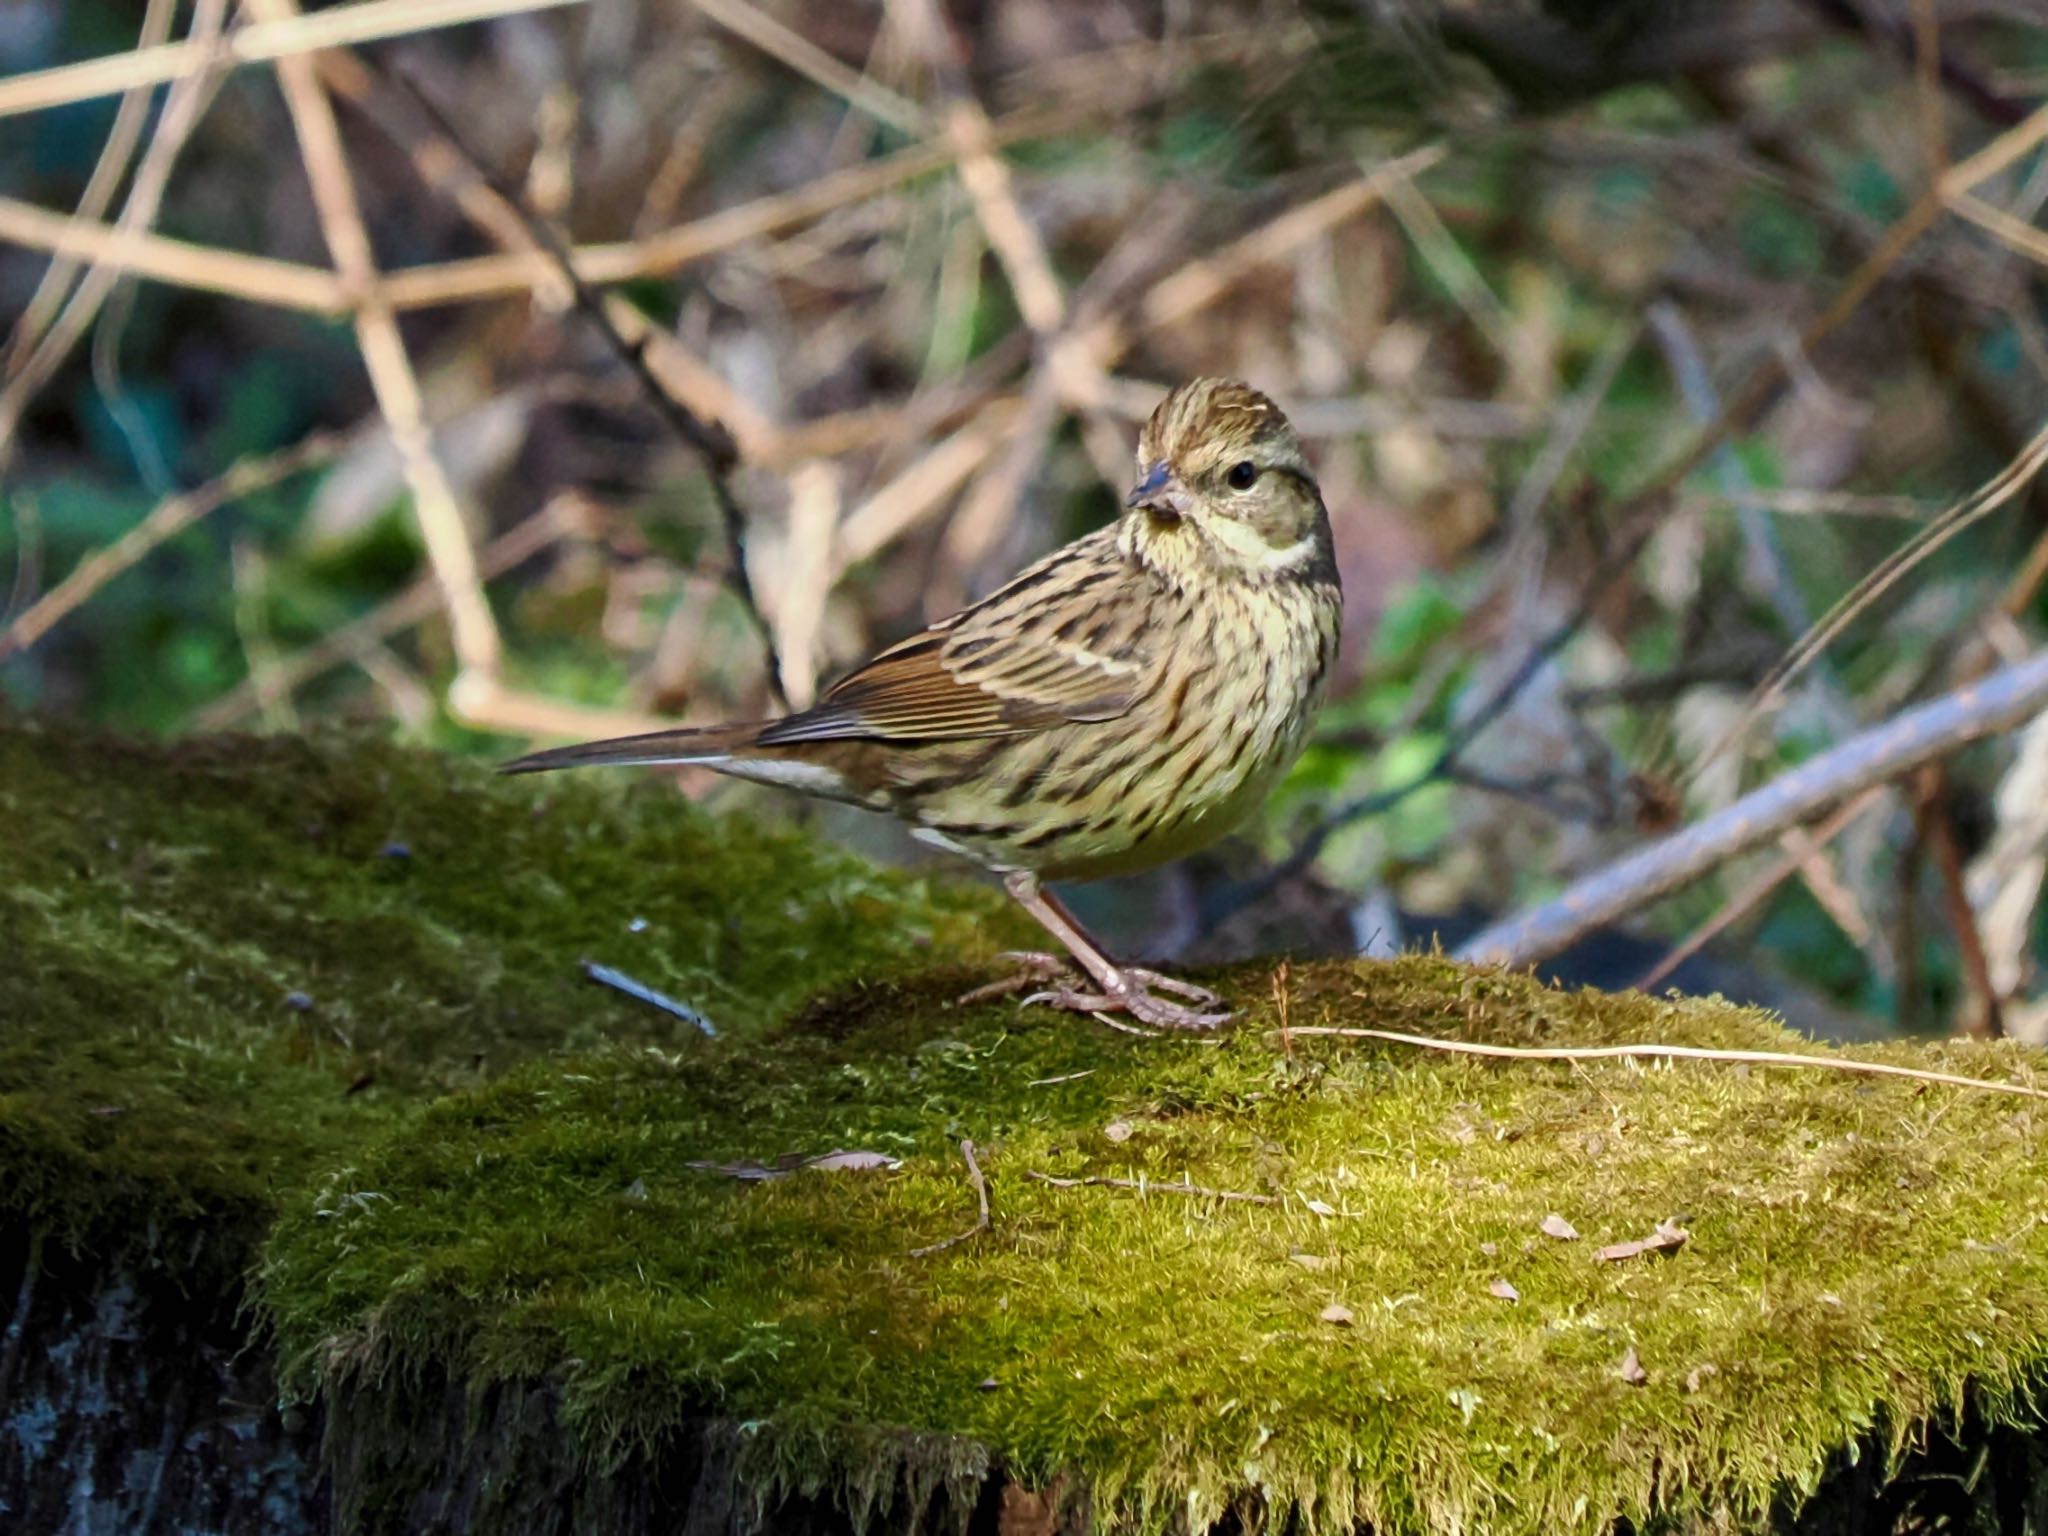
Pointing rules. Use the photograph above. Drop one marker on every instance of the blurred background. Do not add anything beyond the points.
(298, 426)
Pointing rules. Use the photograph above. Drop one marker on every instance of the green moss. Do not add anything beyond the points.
(242, 1020)
(1863, 1251)
(229, 961)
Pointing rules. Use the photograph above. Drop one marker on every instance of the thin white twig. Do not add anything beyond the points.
(1654, 1052)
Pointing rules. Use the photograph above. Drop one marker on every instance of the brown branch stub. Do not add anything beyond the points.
(981, 1222)
(1982, 1018)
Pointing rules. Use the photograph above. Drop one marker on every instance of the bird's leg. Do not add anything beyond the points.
(1118, 989)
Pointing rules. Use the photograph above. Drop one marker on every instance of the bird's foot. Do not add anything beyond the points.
(1034, 969)
(1059, 985)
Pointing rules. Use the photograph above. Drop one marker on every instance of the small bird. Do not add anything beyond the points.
(1126, 700)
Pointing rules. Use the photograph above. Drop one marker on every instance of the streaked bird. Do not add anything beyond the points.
(1128, 699)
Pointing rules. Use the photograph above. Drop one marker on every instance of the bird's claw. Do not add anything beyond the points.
(1060, 987)
(1130, 999)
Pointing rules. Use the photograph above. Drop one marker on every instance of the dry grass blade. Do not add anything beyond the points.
(182, 111)
(486, 277)
(1753, 894)
(108, 172)
(166, 520)
(275, 39)
(415, 605)
(205, 268)
(1882, 577)
(478, 647)
(1847, 1064)
(799, 53)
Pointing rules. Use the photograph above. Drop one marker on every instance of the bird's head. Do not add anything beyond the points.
(1222, 482)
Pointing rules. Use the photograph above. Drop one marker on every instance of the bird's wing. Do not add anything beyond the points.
(1066, 641)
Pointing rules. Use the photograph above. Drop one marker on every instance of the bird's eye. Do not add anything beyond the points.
(1241, 475)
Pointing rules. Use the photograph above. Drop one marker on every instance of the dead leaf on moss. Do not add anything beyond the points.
(1499, 1287)
(840, 1160)
(1697, 1376)
(1335, 1315)
(1321, 1208)
(1309, 1261)
(1118, 1130)
(1556, 1226)
(1668, 1237)
(1631, 1369)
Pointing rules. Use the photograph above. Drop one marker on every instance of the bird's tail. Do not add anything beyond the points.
(711, 744)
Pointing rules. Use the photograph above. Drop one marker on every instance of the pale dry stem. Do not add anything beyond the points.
(478, 647)
(285, 38)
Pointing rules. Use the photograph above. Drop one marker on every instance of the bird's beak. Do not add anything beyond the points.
(1160, 494)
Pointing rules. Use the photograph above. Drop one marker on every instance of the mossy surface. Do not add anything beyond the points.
(230, 961)
(319, 1006)
(1863, 1253)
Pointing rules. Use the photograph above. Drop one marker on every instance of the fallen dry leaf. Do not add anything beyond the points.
(1319, 1207)
(1489, 1249)
(1668, 1236)
(1335, 1315)
(1697, 1376)
(1631, 1369)
(1556, 1226)
(840, 1160)
(1499, 1287)
(1118, 1130)
(1309, 1261)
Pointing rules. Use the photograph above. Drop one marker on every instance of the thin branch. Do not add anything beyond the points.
(415, 605)
(181, 263)
(484, 277)
(712, 444)
(797, 52)
(981, 1222)
(1678, 1053)
(182, 111)
(278, 39)
(1147, 1187)
(108, 172)
(1885, 751)
(1881, 578)
(1752, 895)
(166, 520)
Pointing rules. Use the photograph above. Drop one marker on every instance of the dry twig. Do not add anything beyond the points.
(276, 38)
(981, 1222)
(166, 520)
(1678, 1053)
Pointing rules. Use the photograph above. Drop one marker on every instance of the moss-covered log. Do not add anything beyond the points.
(299, 1033)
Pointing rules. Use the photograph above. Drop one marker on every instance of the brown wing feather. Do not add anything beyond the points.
(1005, 666)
